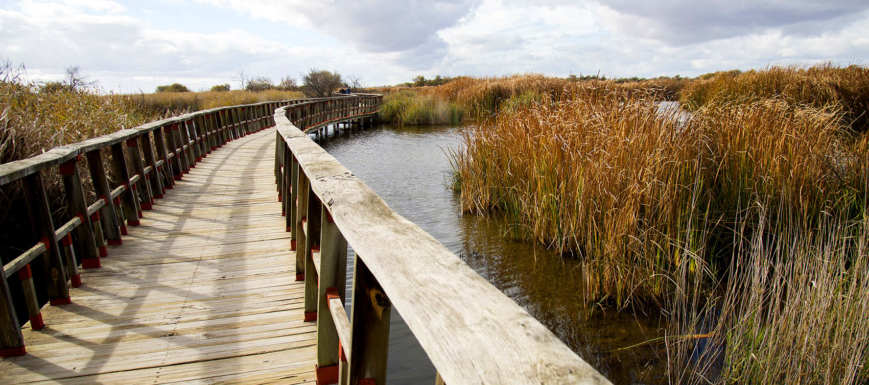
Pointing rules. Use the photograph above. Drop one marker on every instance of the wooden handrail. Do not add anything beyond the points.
(471, 331)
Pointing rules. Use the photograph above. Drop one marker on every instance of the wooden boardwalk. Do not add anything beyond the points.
(203, 291)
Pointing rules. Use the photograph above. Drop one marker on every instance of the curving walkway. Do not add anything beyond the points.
(203, 291)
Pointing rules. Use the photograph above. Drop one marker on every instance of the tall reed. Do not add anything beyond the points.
(822, 85)
(415, 108)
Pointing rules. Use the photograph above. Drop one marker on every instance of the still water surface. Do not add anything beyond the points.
(409, 168)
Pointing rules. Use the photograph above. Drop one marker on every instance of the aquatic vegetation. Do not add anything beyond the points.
(741, 222)
(823, 85)
(409, 107)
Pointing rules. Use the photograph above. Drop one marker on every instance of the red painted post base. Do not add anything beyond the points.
(176, 177)
(140, 215)
(169, 187)
(327, 374)
(61, 301)
(91, 263)
(192, 166)
(292, 242)
(104, 252)
(199, 159)
(123, 232)
(300, 277)
(36, 322)
(280, 198)
(283, 213)
(134, 223)
(76, 279)
(310, 316)
(159, 196)
(147, 205)
(115, 242)
(13, 352)
(367, 381)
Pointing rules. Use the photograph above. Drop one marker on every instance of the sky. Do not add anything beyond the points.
(133, 46)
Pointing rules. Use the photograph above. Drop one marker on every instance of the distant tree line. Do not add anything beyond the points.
(421, 81)
(315, 83)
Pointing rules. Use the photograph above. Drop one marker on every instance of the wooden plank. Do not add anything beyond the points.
(22, 260)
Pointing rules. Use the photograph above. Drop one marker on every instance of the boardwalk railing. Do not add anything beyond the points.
(471, 331)
(146, 161)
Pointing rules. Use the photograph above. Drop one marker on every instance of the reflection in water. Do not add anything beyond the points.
(409, 168)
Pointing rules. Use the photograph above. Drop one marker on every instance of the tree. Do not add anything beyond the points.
(174, 87)
(320, 83)
(259, 83)
(220, 88)
(242, 79)
(76, 81)
(354, 83)
(419, 81)
(287, 84)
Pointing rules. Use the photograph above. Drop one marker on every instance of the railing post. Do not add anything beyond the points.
(189, 157)
(43, 230)
(75, 198)
(332, 275)
(312, 245)
(300, 190)
(69, 257)
(144, 189)
(11, 339)
(213, 135)
(291, 175)
(153, 176)
(128, 197)
(279, 156)
(29, 291)
(110, 222)
(163, 146)
(197, 140)
(175, 161)
(371, 311)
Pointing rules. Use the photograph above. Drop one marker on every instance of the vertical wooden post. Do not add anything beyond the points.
(33, 308)
(332, 275)
(110, 222)
(302, 186)
(196, 154)
(154, 176)
(11, 339)
(69, 258)
(292, 178)
(172, 147)
(130, 201)
(75, 198)
(202, 132)
(370, 327)
(142, 186)
(312, 245)
(180, 132)
(99, 240)
(279, 156)
(43, 230)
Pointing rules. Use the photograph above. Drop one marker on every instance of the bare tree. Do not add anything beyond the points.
(241, 78)
(354, 83)
(76, 81)
(319, 83)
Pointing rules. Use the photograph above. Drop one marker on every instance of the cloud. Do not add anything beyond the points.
(683, 22)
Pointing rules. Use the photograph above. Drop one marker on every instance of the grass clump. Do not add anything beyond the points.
(823, 85)
(416, 108)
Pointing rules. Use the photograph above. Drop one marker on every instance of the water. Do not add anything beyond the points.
(409, 168)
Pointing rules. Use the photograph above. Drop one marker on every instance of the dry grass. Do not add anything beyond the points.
(742, 206)
(824, 85)
(409, 107)
(177, 103)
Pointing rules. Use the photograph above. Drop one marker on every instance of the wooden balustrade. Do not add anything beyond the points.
(180, 143)
(471, 331)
